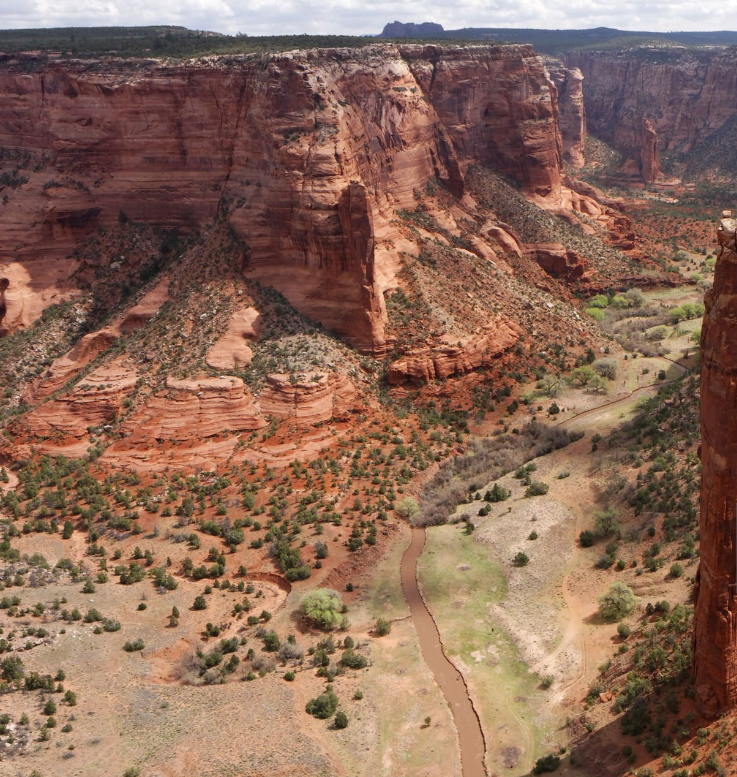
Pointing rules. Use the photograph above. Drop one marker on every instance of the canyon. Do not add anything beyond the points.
(649, 101)
(266, 318)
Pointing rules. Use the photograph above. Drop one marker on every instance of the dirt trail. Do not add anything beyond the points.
(450, 680)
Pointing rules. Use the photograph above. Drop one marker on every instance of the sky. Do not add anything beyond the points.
(275, 17)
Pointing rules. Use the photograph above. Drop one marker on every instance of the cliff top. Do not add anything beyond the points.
(30, 60)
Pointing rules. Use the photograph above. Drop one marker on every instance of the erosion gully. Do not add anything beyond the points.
(450, 680)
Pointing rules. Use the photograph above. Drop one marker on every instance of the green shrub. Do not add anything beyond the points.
(408, 508)
(323, 706)
(599, 301)
(521, 559)
(382, 627)
(548, 763)
(586, 538)
(341, 720)
(537, 488)
(676, 570)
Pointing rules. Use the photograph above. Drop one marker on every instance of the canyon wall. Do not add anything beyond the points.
(306, 154)
(715, 620)
(686, 95)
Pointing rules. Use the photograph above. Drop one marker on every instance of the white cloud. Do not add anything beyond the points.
(259, 17)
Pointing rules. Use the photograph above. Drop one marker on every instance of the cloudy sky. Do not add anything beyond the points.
(270, 17)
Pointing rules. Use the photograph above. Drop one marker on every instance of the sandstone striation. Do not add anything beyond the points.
(715, 619)
(308, 399)
(193, 409)
(94, 402)
(68, 366)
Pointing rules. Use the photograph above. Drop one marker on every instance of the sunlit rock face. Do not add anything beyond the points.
(306, 154)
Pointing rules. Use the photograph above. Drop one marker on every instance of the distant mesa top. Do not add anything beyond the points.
(412, 30)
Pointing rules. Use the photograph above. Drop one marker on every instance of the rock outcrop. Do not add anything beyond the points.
(306, 154)
(569, 82)
(195, 409)
(446, 358)
(94, 402)
(558, 261)
(715, 620)
(308, 399)
(232, 349)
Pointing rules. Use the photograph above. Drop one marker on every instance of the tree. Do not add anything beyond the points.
(200, 603)
(50, 707)
(635, 298)
(599, 301)
(322, 608)
(607, 368)
(583, 375)
(521, 559)
(605, 521)
(598, 384)
(341, 720)
(618, 602)
(408, 508)
(550, 385)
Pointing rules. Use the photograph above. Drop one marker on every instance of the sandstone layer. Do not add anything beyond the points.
(715, 620)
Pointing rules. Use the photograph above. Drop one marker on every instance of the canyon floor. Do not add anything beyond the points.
(526, 639)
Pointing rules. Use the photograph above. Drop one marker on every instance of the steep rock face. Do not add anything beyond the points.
(307, 154)
(569, 83)
(501, 111)
(715, 625)
(686, 97)
(232, 349)
(308, 400)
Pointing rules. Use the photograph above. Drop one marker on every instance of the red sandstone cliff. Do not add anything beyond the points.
(307, 154)
(715, 623)
(686, 95)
